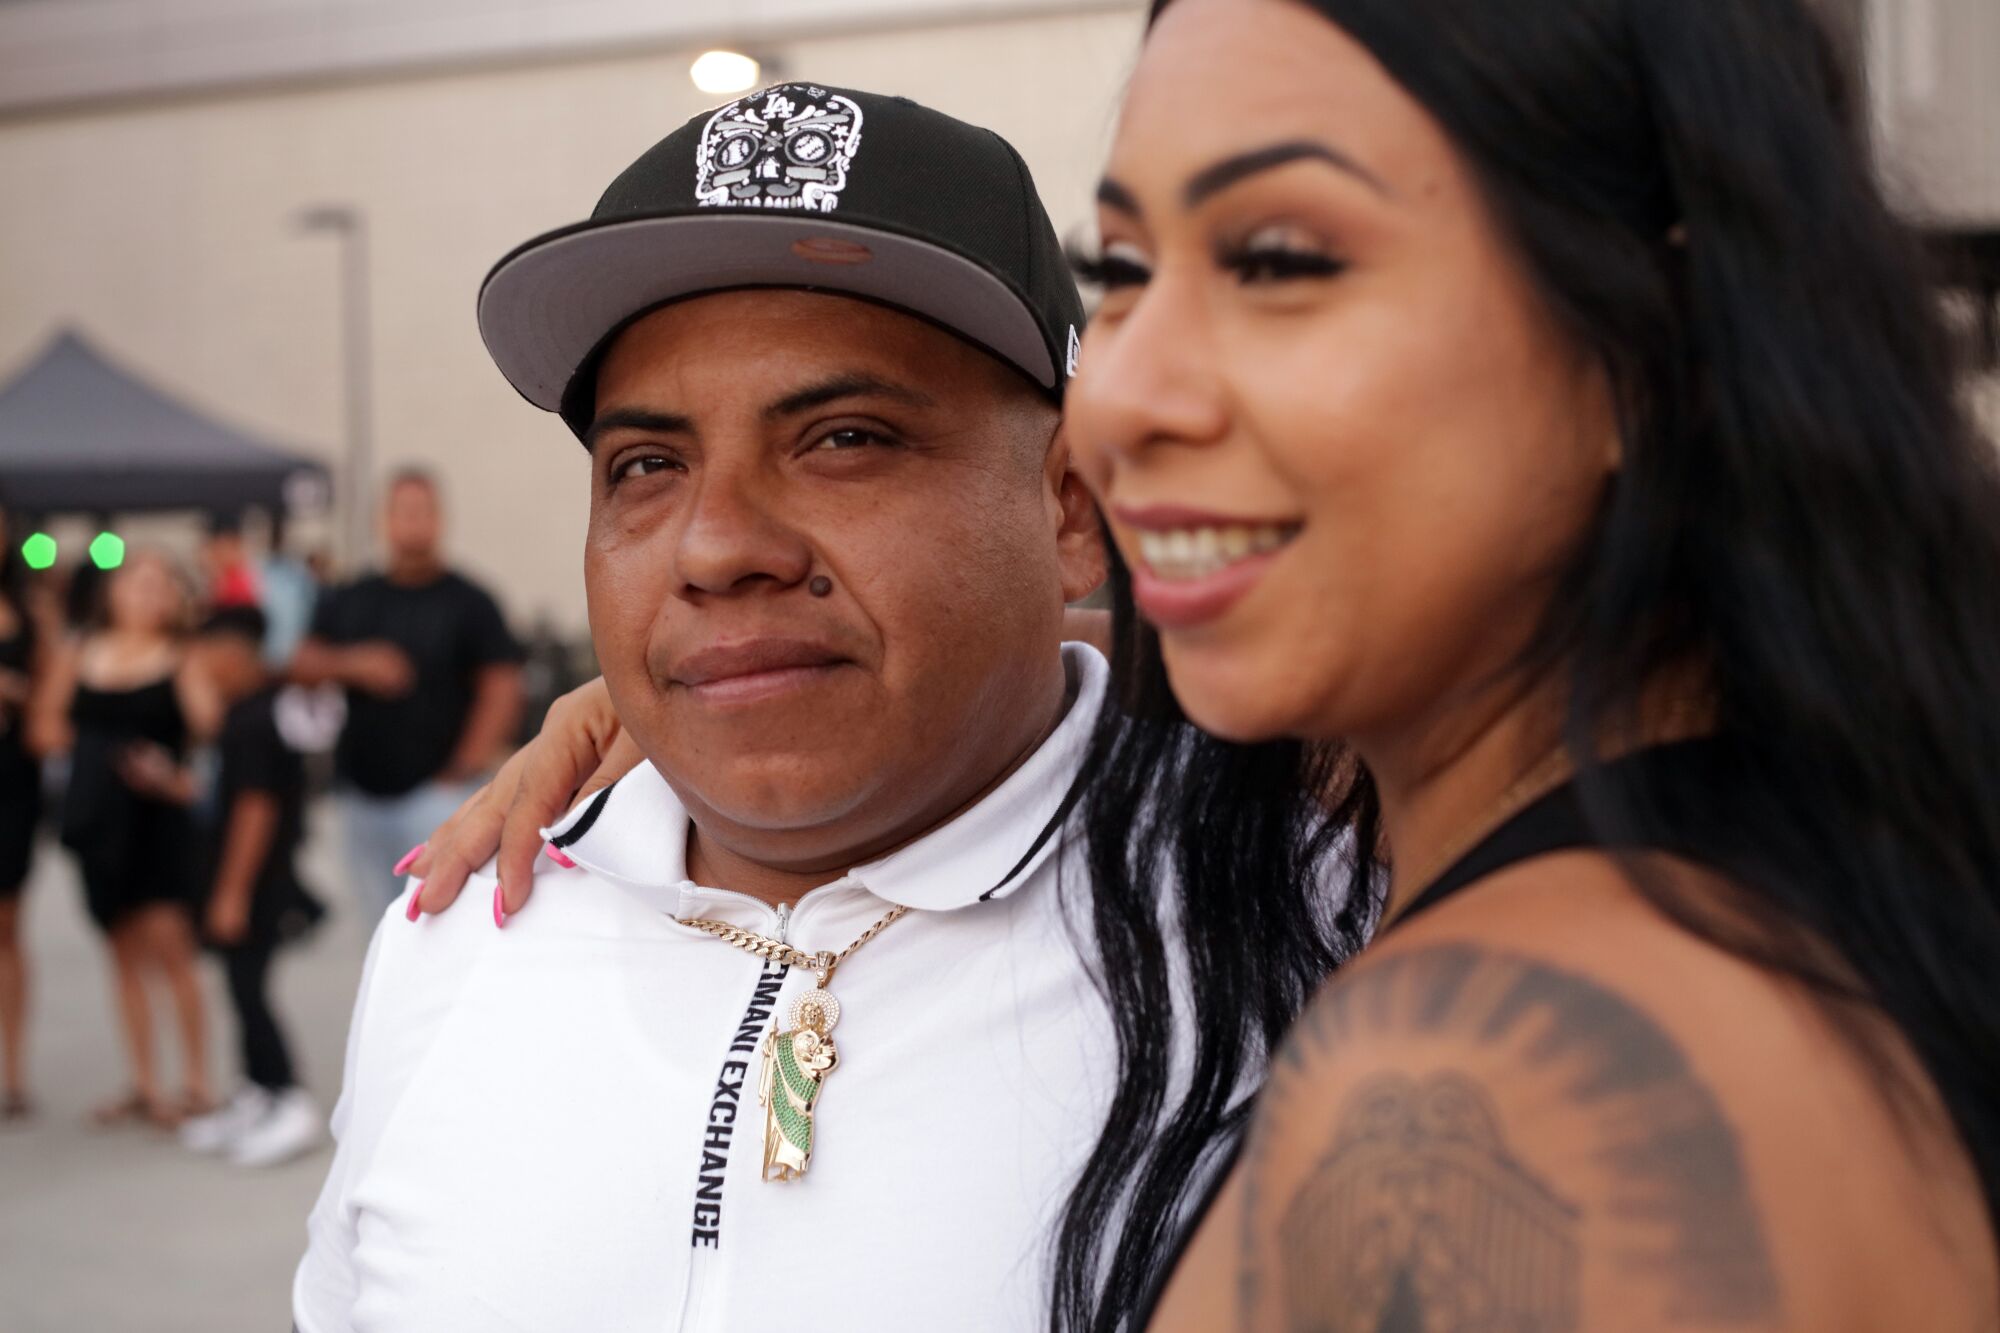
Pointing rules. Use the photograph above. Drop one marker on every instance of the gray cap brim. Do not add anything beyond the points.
(545, 308)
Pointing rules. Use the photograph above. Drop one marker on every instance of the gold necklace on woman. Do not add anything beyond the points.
(798, 1059)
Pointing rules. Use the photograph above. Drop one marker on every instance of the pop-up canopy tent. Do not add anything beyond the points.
(81, 434)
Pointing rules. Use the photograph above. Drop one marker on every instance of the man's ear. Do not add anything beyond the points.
(1073, 514)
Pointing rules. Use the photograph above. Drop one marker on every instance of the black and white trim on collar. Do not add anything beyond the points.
(635, 831)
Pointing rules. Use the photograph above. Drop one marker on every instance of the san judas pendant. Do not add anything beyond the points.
(796, 1063)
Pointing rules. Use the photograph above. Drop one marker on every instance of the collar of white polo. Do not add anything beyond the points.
(634, 832)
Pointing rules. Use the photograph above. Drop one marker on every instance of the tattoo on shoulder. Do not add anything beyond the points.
(1412, 1214)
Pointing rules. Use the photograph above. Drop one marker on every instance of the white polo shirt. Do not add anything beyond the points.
(555, 1126)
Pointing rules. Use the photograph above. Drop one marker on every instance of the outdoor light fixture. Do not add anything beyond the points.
(107, 550)
(39, 551)
(724, 72)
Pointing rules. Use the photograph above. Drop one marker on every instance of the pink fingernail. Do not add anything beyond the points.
(416, 907)
(499, 909)
(555, 854)
(408, 857)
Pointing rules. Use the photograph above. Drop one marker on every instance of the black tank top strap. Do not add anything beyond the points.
(1556, 822)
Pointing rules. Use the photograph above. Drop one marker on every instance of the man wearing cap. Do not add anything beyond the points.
(800, 1034)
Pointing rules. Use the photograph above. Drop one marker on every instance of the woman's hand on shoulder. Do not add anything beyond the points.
(580, 750)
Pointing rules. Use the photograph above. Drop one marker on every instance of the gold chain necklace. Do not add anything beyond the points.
(798, 1059)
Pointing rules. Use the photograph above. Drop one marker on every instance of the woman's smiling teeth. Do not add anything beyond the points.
(1178, 554)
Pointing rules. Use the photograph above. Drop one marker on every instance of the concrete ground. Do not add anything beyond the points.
(105, 1231)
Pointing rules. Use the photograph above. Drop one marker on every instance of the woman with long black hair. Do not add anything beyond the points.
(1634, 542)
(1525, 423)
(124, 701)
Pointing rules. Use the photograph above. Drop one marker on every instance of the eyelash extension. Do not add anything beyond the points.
(1252, 266)
(1270, 265)
(1261, 265)
(1107, 273)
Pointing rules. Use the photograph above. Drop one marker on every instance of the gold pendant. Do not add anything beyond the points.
(796, 1063)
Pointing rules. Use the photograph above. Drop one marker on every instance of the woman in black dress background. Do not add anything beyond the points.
(23, 647)
(127, 706)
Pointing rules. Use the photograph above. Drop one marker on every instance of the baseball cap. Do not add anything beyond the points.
(795, 186)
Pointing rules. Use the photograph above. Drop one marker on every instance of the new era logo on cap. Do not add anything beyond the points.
(798, 185)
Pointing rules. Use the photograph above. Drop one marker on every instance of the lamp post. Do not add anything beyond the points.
(348, 225)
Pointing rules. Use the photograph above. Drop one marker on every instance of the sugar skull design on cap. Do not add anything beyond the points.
(786, 147)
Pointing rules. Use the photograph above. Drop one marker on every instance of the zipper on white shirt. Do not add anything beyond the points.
(783, 912)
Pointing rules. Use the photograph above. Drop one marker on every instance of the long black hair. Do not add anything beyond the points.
(1803, 511)
(1233, 853)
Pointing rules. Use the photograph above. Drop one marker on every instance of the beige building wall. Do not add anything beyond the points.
(1934, 74)
(165, 232)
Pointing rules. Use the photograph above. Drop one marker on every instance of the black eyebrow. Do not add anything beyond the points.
(845, 386)
(636, 418)
(1113, 195)
(1212, 180)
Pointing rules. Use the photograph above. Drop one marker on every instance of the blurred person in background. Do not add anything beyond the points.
(229, 577)
(309, 717)
(433, 684)
(127, 704)
(255, 901)
(26, 642)
(287, 593)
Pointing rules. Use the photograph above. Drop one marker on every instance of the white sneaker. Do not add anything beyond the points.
(291, 1126)
(215, 1131)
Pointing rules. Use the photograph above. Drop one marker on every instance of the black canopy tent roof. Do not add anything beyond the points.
(78, 433)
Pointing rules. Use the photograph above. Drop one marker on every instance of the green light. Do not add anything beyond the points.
(39, 551)
(107, 550)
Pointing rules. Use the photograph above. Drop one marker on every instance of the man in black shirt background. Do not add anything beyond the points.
(433, 685)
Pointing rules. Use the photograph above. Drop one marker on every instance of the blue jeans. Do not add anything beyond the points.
(380, 829)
